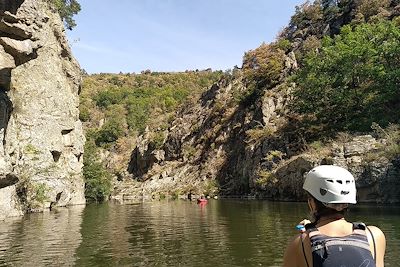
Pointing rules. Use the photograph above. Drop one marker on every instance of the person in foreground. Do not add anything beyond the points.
(331, 241)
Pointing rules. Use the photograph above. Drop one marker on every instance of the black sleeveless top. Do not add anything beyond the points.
(349, 251)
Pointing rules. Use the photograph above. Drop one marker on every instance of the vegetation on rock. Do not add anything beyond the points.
(97, 180)
(333, 72)
(262, 67)
(67, 9)
(129, 103)
(116, 109)
(345, 80)
(352, 80)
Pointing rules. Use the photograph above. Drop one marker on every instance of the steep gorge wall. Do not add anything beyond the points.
(217, 146)
(42, 137)
(245, 136)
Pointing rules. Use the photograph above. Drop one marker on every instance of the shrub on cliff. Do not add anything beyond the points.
(262, 68)
(109, 97)
(140, 99)
(326, 17)
(97, 180)
(109, 133)
(353, 79)
(67, 9)
(113, 127)
(264, 64)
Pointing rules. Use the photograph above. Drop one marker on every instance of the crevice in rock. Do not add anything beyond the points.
(5, 79)
(56, 155)
(58, 197)
(10, 5)
(12, 32)
(10, 179)
(79, 156)
(5, 113)
(21, 50)
(65, 53)
(65, 132)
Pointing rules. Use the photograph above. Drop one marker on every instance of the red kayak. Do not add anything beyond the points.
(202, 200)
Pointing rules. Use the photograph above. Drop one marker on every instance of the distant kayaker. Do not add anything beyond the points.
(202, 200)
(331, 241)
(190, 196)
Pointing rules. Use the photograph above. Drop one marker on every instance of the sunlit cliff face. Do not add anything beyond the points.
(41, 137)
(16, 48)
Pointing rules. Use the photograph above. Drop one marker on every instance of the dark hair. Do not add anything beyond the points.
(323, 210)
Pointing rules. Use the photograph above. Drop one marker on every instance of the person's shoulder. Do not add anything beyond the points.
(379, 244)
(295, 244)
(293, 251)
(376, 232)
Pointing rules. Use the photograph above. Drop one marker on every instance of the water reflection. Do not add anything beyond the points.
(177, 233)
(153, 234)
(42, 239)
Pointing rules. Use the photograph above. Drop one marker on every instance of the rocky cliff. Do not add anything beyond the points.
(221, 144)
(289, 108)
(219, 147)
(42, 137)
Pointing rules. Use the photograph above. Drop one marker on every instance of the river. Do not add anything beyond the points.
(170, 233)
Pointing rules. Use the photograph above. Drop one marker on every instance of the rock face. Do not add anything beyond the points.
(192, 154)
(242, 138)
(376, 175)
(215, 144)
(42, 147)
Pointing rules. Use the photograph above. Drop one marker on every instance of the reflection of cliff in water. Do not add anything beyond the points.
(153, 234)
(45, 239)
(258, 230)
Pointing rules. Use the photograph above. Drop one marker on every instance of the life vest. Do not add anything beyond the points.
(349, 251)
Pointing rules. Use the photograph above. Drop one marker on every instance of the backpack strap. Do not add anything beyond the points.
(304, 252)
(359, 226)
(373, 241)
(313, 231)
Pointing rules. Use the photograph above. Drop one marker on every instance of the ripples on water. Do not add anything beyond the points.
(178, 233)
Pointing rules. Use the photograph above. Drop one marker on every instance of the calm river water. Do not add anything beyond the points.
(176, 233)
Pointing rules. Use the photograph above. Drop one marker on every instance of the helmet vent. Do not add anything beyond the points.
(339, 181)
(322, 191)
(331, 181)
(344, 192)
(347, 182)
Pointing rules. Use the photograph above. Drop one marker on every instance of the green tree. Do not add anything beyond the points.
(97, 180)
(109, 97)
(109, 132)
(262, 69)
(138, 113)
(328, 3)
(368, 9)
(307, 16)
(353, 80)
(67, 9)
(330, 9)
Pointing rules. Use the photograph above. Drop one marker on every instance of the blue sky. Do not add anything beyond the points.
(173, 35)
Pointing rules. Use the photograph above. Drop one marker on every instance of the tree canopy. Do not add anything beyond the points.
(67, 9)
(353, 79)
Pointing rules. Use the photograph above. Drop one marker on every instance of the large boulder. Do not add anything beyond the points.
(376, 175)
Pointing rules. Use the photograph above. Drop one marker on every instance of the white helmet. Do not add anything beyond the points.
(331, 185)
